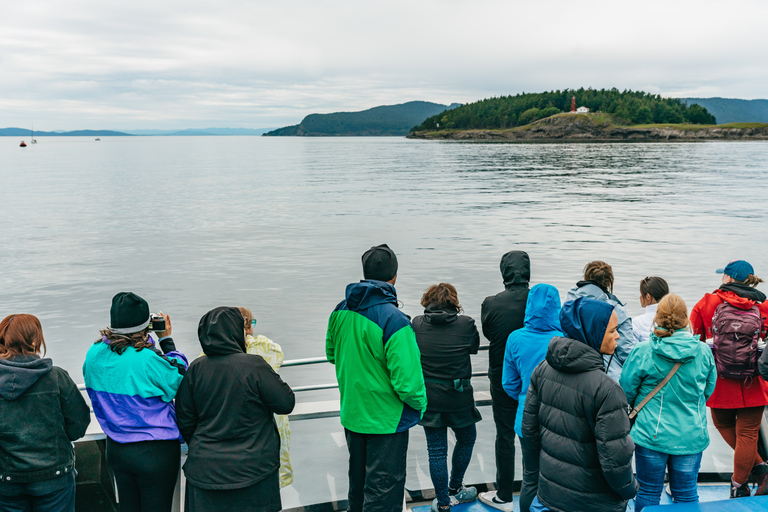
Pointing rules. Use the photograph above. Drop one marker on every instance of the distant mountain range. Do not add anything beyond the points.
(23, 132)
(730, 110)
(396, 120)
(204, 131)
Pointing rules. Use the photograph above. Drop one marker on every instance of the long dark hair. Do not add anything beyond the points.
(119, 342)
(654, 286)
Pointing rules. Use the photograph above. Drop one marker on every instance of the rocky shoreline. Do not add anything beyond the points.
(585, 128)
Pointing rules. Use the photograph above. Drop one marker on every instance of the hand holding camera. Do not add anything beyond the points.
(160, 323)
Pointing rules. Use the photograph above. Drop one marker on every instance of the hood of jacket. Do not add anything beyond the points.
(740, 295)
(369, 293)
(585, 319)
(19, 374)
(515, 268)
(221, 331)
(542, 309)
(437, 316)
(572, 356)
(681, 347)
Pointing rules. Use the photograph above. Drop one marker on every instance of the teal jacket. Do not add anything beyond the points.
(675, 420)
(378, 363)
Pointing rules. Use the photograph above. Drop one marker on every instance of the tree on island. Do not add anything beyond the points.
(635, 107)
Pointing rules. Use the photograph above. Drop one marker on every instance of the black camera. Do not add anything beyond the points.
(156, 322)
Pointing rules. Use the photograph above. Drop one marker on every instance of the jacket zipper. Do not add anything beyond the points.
(661, 407)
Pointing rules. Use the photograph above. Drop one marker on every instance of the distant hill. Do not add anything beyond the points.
(396, 120)
(23, 132)
(204, 131)
(730, 110)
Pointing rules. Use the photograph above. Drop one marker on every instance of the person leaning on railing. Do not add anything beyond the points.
(41, 413)
(225, 409)
(132, 384)
(671, 428)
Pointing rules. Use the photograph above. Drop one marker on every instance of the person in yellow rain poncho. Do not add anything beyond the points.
(272, 354)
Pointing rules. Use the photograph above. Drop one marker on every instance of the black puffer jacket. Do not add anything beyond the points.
(576, 420)
(504, 312)
(224, 408)
(41, 413)
(446, 340)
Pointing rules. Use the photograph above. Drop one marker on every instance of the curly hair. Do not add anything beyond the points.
(119, 342)
(601, 273)
(671, 315)
(441, 296)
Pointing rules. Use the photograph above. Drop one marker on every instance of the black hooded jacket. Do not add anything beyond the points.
(41, 413)
(576, 427)
(446, 340)
(225, 407)
(504, 312)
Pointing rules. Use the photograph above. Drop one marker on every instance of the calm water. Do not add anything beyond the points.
(279, 224)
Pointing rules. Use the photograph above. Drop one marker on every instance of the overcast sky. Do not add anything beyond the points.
(171, 64)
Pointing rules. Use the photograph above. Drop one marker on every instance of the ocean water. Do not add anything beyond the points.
(279, 225)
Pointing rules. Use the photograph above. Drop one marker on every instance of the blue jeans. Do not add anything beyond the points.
(437, 446)
(683, 472)
(537, 506)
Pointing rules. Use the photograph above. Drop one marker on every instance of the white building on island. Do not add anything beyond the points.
(582, 110)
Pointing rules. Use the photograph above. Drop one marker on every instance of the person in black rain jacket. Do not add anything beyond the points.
(575, 423)
(446, 340)
(500, 315)
(41, 413)
(224, 410)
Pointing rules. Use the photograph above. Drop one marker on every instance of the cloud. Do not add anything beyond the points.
(173, 64)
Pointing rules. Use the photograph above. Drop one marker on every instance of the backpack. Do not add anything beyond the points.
(735, 332)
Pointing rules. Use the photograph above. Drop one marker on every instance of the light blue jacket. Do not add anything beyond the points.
(527, 347)
(626, 336)
(674, 421)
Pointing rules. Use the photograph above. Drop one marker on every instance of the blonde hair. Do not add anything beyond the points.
(671, 315)
(247, 316)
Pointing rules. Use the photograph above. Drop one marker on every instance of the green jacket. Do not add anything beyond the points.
(378, 365)
(675, 420)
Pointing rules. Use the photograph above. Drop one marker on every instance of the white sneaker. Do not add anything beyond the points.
(491, 499)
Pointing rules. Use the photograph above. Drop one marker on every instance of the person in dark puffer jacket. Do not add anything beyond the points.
(575, 422)
(41, 412)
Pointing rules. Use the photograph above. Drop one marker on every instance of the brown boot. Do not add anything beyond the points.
(759, 475)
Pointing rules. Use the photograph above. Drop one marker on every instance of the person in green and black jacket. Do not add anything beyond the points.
(378, 367)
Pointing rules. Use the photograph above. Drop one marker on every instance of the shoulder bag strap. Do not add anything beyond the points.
(661, 384)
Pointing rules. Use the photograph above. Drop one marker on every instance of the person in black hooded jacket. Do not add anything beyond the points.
(575, 422)
(446, 340)
(224, 410)
(500, 315)
(41, 413)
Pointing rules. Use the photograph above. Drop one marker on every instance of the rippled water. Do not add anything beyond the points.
(279, 224)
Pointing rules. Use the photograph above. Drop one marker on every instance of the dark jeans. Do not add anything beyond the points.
(376, 471)
(39, 497)
(437, 446)
(145, 473)
(651, 466)
(504, 411)
(530, 484)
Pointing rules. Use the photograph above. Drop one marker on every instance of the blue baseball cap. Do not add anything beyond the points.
(739, 270)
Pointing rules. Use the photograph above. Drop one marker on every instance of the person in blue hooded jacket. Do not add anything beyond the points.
(575, 424)
(526, 348)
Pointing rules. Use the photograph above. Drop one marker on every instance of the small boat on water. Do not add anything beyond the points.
(23, 144)
(98, 138)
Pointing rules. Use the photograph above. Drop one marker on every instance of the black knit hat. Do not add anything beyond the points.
(129, 313)
(379, 263)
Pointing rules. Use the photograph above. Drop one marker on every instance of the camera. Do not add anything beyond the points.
(156, 322)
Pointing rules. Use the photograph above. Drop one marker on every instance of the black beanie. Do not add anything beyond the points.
(379, 263)
(129, 313)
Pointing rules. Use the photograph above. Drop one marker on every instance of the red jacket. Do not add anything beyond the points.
(730, 393)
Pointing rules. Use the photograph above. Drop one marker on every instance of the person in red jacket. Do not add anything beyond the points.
(737, 405)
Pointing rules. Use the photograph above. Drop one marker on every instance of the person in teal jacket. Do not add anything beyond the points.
(671, 430)
(526, 348)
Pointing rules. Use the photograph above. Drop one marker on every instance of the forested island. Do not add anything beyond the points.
(395, 120)
(612, 115)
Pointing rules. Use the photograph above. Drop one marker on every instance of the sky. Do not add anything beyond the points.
(171, 64)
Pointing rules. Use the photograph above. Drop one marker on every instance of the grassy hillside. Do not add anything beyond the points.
(383, 120)
(635, 107)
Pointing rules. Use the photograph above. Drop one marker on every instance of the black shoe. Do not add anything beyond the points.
(741, 491)
(759, 475)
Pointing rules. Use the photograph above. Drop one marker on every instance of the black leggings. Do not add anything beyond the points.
(145, 473)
